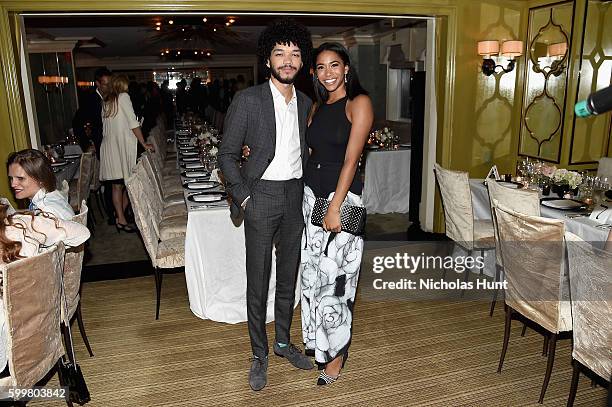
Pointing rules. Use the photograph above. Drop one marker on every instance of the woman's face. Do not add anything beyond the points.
(330, 70)
(24, 186)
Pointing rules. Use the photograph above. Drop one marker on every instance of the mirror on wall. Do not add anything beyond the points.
(592, 137)
(546, 81)
(54, 92)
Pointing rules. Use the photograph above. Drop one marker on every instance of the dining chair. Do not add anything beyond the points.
(520, 200)
(73, 265)
(605, 168)
(31, 297)
(95, 188)
(79, 191)
(164, 254)
(591, 294)
(533, 256)
(167, 165)
(461, 227)
(170, 188)
(170, 219)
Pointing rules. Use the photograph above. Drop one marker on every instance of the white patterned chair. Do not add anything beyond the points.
(168, 253)
(605, 168)
(79, 191)
(32, 295)
(469, 233)
(73, 266)
(591, 293)
(533, 255)
(520, 200)
(170, 218)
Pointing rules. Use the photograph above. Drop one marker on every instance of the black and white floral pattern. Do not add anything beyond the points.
(329, 284)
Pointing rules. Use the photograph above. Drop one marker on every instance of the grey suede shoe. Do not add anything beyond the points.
(258, 375)
(294, 355)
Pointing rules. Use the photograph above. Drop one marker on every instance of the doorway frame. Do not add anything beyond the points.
(12, 99)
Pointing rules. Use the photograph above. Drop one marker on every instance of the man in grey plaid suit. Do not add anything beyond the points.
(271, 119)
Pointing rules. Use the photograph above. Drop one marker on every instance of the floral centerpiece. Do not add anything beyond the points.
(207, 142)
(384, 138)
(563, 176)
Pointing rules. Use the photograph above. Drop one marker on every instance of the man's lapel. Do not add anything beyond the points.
(267, 110)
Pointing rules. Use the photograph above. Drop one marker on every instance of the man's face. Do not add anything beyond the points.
(103, 84)
(285, 62)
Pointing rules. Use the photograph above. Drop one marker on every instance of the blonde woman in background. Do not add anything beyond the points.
(121, 133)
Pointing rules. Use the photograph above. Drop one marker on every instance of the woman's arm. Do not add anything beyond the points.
(361, 114)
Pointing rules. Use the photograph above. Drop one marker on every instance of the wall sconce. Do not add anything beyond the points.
(57, 81)
(86, 84)
(489, 48)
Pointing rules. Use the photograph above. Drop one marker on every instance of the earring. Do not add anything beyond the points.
(345, 80)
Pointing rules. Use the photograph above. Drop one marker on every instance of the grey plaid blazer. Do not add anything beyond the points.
(250, 121)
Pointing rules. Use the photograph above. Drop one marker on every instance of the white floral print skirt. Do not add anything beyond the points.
(328, 284)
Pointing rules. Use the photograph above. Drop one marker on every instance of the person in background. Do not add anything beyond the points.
(31, 177)
(87, 124)
(167, 106)
(24, 235)
(181, 97)
(90, 110)
(118, 152)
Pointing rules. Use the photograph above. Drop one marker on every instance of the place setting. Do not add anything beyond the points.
(195, 174)
(200, 184)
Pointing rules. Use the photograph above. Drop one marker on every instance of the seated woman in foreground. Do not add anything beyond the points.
(31, 177)
(25, 235)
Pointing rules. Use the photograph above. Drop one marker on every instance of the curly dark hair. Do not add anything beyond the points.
(285, 31)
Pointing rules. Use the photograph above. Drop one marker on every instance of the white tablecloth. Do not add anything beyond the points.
(583, 227)
(387, 181)
(215, 267)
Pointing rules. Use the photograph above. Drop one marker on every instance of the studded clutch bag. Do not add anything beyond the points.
(352, 218)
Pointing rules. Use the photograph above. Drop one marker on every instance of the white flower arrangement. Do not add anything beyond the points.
(563, 176)
(382, 137)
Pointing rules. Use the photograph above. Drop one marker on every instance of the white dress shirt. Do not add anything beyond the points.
(287, 161)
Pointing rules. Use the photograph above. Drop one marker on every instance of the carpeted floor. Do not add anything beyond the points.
(404, 353)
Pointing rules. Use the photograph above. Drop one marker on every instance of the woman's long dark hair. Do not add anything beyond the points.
(353, 87)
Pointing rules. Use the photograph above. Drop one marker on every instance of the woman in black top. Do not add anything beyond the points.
(339, 125)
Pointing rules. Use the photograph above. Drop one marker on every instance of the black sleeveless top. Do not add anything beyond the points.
(328, 136)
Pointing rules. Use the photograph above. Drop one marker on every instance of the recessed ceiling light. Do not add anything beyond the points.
(227, 24)
(214, 29)
(205, 19)
(178, 52)
(158, 23)
(195, 52)
(208, 54)
(167, 51)
(171, 22)
(158, 28)
(232, 20)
